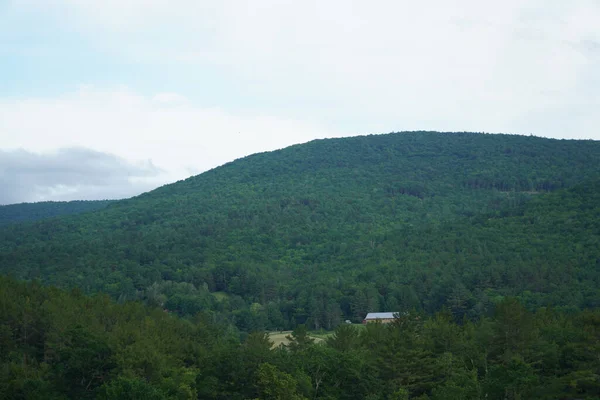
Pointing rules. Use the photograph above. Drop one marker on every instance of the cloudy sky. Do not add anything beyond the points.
(107, 99)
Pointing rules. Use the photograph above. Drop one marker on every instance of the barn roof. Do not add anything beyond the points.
(381, 315)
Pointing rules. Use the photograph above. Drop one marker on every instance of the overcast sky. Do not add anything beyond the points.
(107, 99)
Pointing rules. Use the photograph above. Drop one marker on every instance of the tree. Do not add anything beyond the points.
(299, 339)
(276, 385)
(130, 389)
(344, 338)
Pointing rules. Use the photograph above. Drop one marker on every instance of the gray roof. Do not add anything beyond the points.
(380, 315)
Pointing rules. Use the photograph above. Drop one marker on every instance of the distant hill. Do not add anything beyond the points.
(25, 212)
(329, 230)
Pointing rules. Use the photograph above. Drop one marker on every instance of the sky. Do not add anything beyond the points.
(112, 98)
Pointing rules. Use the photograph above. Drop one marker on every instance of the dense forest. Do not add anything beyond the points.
(24, 212)
(58, 345)
(327, 231)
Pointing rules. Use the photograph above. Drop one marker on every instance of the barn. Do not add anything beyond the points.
(383, 317)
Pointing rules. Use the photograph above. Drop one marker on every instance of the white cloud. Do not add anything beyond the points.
(70, 173)
(178, 137)
(169, 98)
(462, 65)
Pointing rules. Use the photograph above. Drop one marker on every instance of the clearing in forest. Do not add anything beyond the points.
(279, 337)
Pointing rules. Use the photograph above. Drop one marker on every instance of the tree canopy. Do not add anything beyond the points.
(56, 344)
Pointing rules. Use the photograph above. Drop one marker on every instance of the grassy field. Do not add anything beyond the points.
(278, 338)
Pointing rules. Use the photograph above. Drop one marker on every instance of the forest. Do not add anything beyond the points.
(56, 344)
(488, 247)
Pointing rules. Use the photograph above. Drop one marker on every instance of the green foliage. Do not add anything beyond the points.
(299, 339)
(25, 212)
(276, 385)
(65, 345)
(345, 338)
(129, 389)
(62, 345)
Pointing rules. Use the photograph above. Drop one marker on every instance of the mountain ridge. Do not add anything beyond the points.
(33, 211)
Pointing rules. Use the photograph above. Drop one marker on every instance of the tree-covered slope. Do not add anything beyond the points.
(25, 212)
(332, 229)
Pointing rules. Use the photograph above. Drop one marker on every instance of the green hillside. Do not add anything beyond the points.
(25, 212)
(329, 230)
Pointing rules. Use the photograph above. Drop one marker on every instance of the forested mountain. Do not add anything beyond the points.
(24, 212)
(329, 230)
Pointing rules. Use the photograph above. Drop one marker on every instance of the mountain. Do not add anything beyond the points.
(329, 230)
(25, 212)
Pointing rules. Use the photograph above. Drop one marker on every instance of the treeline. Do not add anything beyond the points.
(58, 345)
(26, 212)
